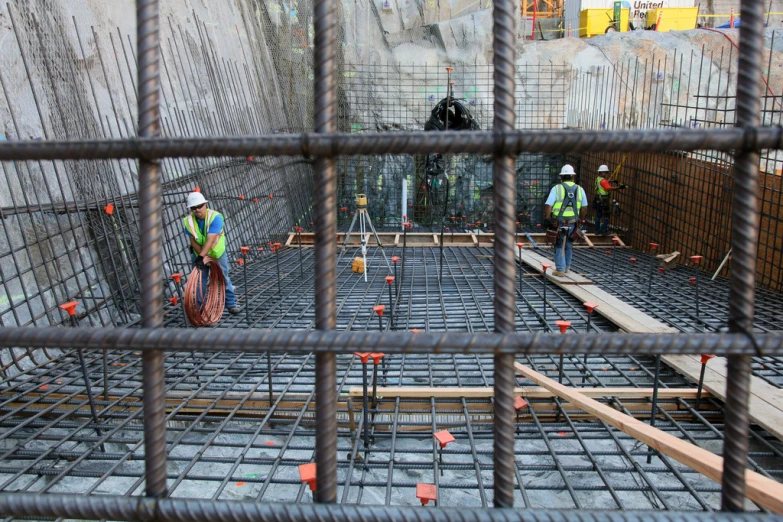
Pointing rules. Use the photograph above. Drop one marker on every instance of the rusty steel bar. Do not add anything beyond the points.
(302, 342)
(504, 196)
(451, 142)
(744, 245)
(325, 219)
(151, 241)
(111, 507)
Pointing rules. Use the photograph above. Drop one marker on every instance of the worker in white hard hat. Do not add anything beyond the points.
(602, 202)
(565, 206)
(204, 228)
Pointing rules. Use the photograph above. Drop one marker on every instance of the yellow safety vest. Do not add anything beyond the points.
(568, 210)
(191, 223)
(599, 190)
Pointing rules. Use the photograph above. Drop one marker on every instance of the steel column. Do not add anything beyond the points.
(325, 111)
(151, 228)
(503, 175)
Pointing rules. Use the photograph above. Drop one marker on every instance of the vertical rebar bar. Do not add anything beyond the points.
(744, 245)
(503, 176)
(151, 246)
(654, 407)
(325, 228)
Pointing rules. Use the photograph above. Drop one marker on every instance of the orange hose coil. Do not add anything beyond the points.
(212, 304)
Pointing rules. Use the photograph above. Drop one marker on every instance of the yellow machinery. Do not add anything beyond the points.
(673, 18)
(593, 22)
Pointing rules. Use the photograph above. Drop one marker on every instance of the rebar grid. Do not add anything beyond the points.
(743, 222)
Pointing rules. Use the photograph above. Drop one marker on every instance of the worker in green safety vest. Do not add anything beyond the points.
(602, 202)
(565, 206)
(204, 228)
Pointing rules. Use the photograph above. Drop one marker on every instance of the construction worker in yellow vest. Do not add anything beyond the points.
(602, 202)
(565, 206)
(204, 228)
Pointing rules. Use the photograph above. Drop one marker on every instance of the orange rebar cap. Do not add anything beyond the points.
(426, 492)
(363, 356)
(633, 260)
(520, 245)
(395, 259)
(654, 245)
(545, 266)
(389, 279)
(240, 261)
(244, 249)
(379, 309)
(590, 307)
(692, 280)
(705, 357)
(177, 277)
(444, 438)
(70, 307)
(519, 403)
(696, 259)
(376, 357)
(307, 473)
(615, 239)
(241, 197)
(174, 300)
(109, 209)
(563, 325)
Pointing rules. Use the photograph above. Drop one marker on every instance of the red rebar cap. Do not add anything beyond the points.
(389, 279)
(275, 246)
(261, 250)
(705, 357)
(661, 269)
(563, 325)
(692, 280)
(426, 492)
(298, 230)
(376, 357)
(696, 259)
(395, 259)
(520, 245)
(478, 223)
(343, 209)
(452, 83)
(307, 474)
(615, 239)
(545, 266)
(608, 252)
(416, 330)
(453, 218)
(352, 213)
(379, 309)
(177, 277)
(449, 69)
(538, 225)
(255, 200)
(240, 261)
(447, 229)
(444, 438)
(654, 245)
(244, 249)
(109, 209)
(174, 300)
(271, 196)
(70, 307)
(250, 159)
(590, 307)
(633, 260)
(241, 197)
(364, 356)
(519, 403)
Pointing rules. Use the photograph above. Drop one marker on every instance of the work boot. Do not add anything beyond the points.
(234, 310)
(558, 273)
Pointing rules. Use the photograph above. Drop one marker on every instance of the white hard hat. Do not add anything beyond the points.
(196, 199)
(567, 170)
(603, 168)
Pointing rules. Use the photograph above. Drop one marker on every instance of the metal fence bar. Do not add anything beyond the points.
(505, 196)
(325, 219)
(151, 269)
(744, 244)
(303, 342)
(341, 144)
(178, 510)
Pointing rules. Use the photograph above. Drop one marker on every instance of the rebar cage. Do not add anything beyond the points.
(325, 145)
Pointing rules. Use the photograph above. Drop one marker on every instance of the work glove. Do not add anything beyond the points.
(200, 263)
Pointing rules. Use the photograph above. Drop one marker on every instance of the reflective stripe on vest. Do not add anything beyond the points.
(191, 223)
(599, 190)
(568, 211)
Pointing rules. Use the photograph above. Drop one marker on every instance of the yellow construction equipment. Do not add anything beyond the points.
(672, 18)
(593, 22)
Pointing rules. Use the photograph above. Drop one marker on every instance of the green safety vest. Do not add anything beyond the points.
(191, 223)
(568, 210)
(599, 190)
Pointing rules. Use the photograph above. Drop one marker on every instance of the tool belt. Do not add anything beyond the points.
(552, 235)
(602, 203)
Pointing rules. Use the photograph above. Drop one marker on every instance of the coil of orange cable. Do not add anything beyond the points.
(213, 296)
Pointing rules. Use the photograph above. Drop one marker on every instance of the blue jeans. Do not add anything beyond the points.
(222, 261)
(563, 262)
(601, 221)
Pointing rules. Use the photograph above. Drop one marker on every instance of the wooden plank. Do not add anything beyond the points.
(533, 393)
(534, 260)
(764, 491)
(397, 240)
(762, 412)
(619, 241)
(290, 238)
(435, 238)
(587, 240)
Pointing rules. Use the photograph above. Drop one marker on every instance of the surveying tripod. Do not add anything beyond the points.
(364, 224)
